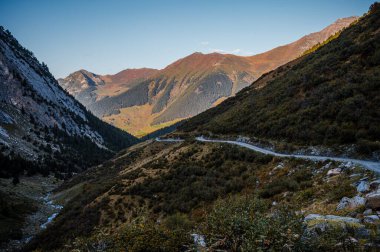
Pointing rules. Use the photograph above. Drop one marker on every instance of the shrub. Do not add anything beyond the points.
(147, 235)
(243, 224)
(279, 186)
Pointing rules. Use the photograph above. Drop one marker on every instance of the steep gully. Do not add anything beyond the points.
(370, 165)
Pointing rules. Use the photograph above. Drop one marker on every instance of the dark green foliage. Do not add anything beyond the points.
(13, 211)
(345, 189)
(189, 182)
(297, 181)
(149, 236)
(144, 235)
(243, 224)
(14, 165)
(329, 97)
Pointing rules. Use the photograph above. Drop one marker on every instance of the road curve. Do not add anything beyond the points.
(169, 140)
(370, 165)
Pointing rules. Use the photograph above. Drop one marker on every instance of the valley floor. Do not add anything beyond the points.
(27, 208)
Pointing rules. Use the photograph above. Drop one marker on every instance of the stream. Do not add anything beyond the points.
(39, 190)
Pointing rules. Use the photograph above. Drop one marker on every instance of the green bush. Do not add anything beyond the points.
(345, 189)
(243, 224)
(279, 186)
(147, 235)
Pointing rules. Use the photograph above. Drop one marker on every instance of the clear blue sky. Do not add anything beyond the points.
(108, 36)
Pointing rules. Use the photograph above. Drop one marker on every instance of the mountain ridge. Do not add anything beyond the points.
(193, 84)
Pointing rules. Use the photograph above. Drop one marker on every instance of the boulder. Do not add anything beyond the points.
(342, 218)
(373, 200)
(374, 184)
(199, 240)
(313, 217)
(316, 217)
(367, 212)
(350, 203)
(371, 219)
(327, 166)
(316, 224)
(348, 165)
(335, 171)
(363, 186)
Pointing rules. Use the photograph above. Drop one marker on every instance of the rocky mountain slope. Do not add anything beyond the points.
(326, 98)
(186, 87)
(41, 123)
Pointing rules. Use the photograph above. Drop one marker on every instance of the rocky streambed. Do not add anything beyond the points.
(38, 190)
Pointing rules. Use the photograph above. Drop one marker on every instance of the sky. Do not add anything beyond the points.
(106, 37)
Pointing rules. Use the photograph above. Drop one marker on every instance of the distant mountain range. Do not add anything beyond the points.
(144, 100)
(42, 123)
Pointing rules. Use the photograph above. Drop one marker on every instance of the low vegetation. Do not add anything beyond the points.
(169, 191)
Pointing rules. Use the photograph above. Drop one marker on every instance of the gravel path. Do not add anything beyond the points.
(370, 165)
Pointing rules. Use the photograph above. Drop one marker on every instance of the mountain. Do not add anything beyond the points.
(326, 98)
(190, 195)
(185, 88)
(42, 123)
(88, 87)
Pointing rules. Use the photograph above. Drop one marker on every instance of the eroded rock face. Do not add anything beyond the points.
(351, 203)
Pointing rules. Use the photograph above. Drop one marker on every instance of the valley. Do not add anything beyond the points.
(277, 151)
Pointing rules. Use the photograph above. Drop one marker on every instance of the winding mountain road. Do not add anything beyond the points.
(370, 165)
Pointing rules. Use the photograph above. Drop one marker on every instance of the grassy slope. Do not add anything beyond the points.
(328, 97)
(161, 180)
